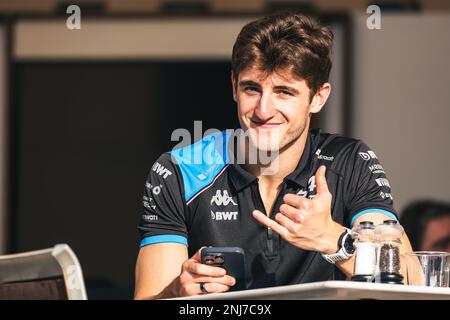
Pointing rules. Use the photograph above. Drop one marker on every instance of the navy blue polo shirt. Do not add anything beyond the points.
(197, 197)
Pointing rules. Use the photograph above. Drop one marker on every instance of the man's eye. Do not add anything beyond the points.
(251, 89)
(286, 93)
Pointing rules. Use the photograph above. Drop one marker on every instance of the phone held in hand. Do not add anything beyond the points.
(232, 259)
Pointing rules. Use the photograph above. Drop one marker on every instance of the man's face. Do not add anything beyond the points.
(274, 107)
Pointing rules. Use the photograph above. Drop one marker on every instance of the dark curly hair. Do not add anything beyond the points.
(285, 41)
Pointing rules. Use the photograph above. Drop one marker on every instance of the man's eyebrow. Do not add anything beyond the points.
(248, 83)
(253, 83)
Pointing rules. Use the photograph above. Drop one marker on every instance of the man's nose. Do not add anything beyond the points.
(265, 110)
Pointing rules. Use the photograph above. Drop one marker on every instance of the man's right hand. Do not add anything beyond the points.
(193, 272)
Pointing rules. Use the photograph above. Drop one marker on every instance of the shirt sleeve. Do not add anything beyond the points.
(163, 210)
(366, 187)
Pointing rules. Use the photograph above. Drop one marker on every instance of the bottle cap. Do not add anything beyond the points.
(390, 229)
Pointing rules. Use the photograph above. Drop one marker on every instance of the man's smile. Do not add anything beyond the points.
(265, 124)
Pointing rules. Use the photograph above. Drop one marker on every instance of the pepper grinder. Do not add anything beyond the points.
(388, 237)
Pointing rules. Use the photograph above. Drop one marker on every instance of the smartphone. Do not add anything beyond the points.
(232, 259)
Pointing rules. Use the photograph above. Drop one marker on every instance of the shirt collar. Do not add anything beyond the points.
(300, 175)
(241, 178)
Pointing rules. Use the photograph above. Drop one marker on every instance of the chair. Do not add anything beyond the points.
(50, 274)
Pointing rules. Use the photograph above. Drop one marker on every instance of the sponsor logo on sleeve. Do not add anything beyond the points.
(149, 203)
(386, 195)
(382, 182)
(161, 170)
(376, 168)
(366, 156)
(154, 189)
(149, 217)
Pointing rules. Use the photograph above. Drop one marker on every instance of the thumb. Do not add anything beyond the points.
(321, 181)
(198, 255)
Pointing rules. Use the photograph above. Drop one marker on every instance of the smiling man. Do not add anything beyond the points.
(291, 215)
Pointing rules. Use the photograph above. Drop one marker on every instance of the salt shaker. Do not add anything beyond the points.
(388, 237)
(365, 252)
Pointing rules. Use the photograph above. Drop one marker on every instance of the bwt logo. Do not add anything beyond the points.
(224, 215)
(161, 170)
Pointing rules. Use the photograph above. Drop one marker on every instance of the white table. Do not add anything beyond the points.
(333, 290)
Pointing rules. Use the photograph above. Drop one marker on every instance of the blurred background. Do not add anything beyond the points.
(85, 112)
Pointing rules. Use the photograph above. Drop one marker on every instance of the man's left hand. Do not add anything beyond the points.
(306, 223)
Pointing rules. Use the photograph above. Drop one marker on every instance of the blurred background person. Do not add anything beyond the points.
(427, 222)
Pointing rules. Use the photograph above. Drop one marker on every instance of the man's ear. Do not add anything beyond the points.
(319, 99)
(233, 84)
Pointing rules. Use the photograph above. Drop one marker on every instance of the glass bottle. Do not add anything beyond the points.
(365, 252)
(388, 237)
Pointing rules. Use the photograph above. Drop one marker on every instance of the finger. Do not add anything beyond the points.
(204, 270)
(211, 287)
(290, 225)
(321, 181)
(261, 217)
(225, 280)
(292, 213)
(297, 201)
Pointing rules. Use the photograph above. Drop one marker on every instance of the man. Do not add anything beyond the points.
(291, 223)
(428, 224)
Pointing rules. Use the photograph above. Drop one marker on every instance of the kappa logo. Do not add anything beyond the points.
(366, 156)
(161, 170)
(222, 199)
